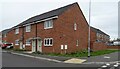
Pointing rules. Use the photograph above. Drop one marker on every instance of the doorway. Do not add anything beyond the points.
(39, 45)
(21, 45)
(33, 45)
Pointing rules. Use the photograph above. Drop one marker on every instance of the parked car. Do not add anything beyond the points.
(116, 43)
(7, 46)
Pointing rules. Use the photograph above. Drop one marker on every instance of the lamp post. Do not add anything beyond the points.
(89, 29)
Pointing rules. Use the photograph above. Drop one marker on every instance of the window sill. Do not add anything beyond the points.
(48, 45)
(16, 44)
(27, 44)
(28, 31)
(48, 28)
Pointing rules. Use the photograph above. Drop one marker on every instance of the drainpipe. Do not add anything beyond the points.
(36, 35)
(22, 36)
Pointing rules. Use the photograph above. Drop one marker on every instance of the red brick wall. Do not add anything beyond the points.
(28, 35)
(10, 36)
(93, 36)
(113, 47)
(17, 36)
(99, 46)
(4, 39)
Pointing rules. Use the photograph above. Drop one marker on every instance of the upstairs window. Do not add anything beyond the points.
(75, 26)
(48, 24)
(28, 28)
(16, 42)
(5, 35)
(28, 42)
(17, 31)
(48, 41)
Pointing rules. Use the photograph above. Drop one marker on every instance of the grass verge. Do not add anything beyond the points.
(85, 53)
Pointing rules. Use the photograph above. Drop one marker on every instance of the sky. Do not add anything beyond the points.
(104, 13)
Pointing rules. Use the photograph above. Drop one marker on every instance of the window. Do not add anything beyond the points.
(77, 42)
(75, 26)
(16, 30)
(5, 35)
(48, 41)
(97, 40)
(28, 28)
(16, 42)
(28, 42)
(48, 24)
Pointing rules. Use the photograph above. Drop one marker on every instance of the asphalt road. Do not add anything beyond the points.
(10, 60)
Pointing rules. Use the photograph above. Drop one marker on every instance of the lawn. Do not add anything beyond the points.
(85, 53)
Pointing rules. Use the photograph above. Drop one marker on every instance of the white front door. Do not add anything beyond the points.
(33, 45)
(21, 45)
(39, 45)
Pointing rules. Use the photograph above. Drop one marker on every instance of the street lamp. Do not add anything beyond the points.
(89, 29)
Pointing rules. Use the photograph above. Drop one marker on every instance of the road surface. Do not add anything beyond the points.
(11, 60)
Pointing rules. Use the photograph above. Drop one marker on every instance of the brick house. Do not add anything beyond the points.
(63, 30)
(99, 36)
(99, 39)
(58, 31)
(4, 36)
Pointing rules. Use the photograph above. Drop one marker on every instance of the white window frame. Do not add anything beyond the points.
(28, 28)
(75, 26)
(77, 42)
(17, 31)
(48, 24)
(17, 42)
(28, 43)
(45, 43)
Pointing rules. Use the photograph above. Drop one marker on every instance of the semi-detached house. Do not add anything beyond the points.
(63, 30)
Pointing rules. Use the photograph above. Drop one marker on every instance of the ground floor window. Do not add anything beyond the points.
(77, 42)
(48, 42)
(28, 42)
(16, 42)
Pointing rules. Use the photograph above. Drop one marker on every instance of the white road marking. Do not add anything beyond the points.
(106, 57)
(104, 66)
(108, 64)
(116, 65)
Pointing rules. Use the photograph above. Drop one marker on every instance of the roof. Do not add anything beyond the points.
(5, 31)
(98, 31)
(46, 15)
(49, 14)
